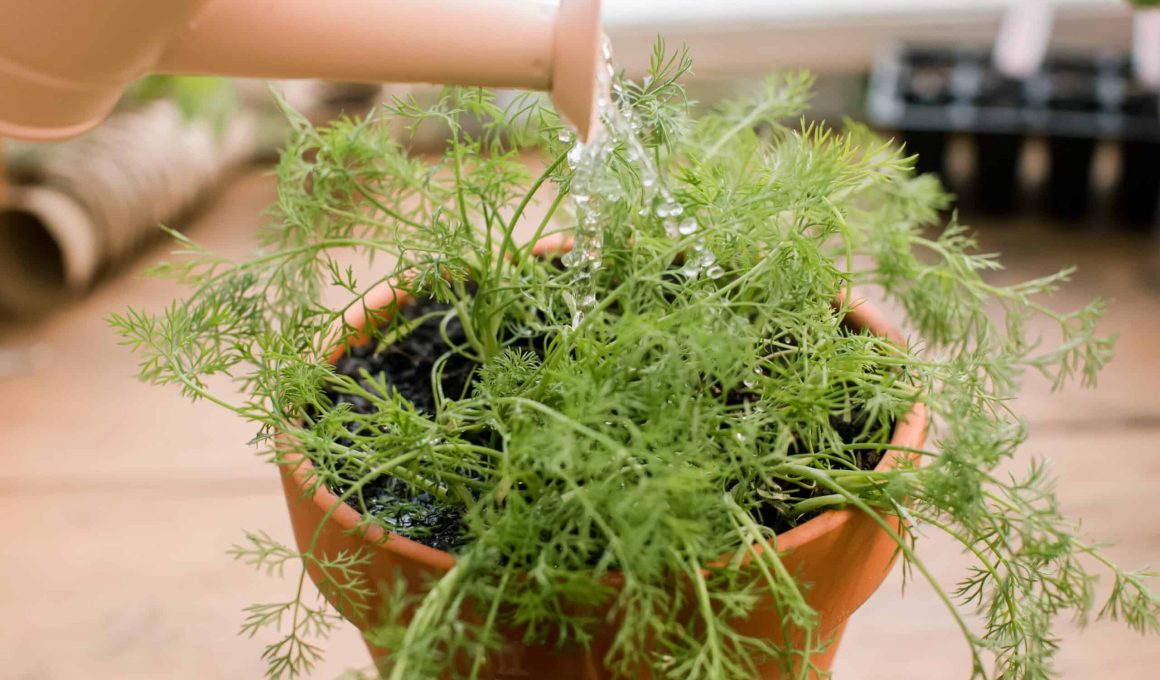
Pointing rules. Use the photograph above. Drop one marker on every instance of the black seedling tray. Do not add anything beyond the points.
(1075, 100)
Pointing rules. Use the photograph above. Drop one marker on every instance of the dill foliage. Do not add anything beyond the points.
(644, 436)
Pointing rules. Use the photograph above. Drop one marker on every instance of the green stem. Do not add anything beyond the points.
(492, 615)
(903, 546)
(528, 196)
(816, 503)
(612, 444)
(546, 219)
(426, 616)
(469, 330)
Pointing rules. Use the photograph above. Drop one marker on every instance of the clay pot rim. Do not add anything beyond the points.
(909, 433)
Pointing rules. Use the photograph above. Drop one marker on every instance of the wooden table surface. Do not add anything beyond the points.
(119, 500)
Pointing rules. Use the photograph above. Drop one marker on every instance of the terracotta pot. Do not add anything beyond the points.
(843, 555)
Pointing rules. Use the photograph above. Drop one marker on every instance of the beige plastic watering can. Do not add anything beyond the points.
(64, 63)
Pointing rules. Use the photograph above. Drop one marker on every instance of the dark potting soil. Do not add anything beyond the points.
(406, 367)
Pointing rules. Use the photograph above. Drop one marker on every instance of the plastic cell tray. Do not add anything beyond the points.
(1074, 101)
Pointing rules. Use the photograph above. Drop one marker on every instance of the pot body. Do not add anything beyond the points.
(842, 556)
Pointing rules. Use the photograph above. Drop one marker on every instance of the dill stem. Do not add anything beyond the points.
(527, 199)
(903, 546)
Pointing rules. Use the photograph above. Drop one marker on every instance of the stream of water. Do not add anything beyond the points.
(595, 186)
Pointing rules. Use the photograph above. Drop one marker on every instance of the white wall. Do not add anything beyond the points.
(743, 37)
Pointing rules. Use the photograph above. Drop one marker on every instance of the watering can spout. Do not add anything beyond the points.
(64, 63)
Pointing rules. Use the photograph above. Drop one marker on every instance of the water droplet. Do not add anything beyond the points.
(565, 136)
(715, 272)
(595, 185)
(740, 437)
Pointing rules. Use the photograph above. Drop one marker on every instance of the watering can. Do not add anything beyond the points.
(65, 63)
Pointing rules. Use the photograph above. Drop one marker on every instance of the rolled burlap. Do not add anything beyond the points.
(83, 206)
(97, 198)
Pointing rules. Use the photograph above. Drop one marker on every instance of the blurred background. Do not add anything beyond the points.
(1041, 116)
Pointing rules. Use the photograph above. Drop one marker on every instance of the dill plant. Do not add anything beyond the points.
(678, 420)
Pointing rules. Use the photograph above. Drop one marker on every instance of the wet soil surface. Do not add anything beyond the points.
(406, 367)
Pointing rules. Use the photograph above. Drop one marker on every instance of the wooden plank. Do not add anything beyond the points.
(1107, 478)
(139, 585)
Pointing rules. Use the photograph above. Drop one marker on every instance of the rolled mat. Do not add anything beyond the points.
(82, 207)
(96, 199)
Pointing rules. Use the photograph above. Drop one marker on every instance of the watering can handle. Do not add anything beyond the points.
(1146, 47)
(1023, 37)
